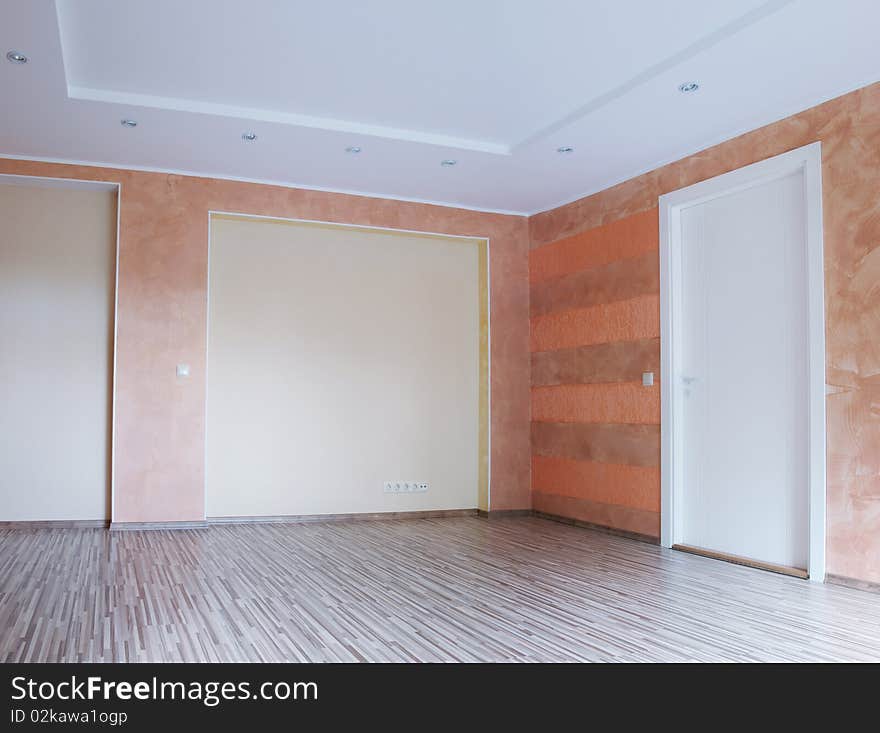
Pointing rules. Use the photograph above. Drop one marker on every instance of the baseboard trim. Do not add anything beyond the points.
(280, 519)
(57, 524)
(354, 517)
(133, 526)
(504, 513)
(865, 585)
(638, 536)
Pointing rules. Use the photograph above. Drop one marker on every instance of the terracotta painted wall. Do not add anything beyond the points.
(595, 239)
(162, 307)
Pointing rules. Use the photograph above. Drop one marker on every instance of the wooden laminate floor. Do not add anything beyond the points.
(463, 589)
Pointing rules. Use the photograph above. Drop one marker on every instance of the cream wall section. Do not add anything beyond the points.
(340, 358)
(57, 277)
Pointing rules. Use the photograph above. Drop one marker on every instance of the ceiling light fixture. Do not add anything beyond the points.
(128, 123)
(688, 87)
(565, 149)
(353, 149)
(448, 163)
(16, 58)
(248, 137)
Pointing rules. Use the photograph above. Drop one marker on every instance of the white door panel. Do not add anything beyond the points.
(744, 374)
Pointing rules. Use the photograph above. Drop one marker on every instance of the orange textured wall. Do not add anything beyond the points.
(162, 308)
(595, 328)
(598, 229)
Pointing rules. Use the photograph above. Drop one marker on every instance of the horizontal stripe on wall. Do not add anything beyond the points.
(627, 320)
(625, 518)
(634, 445)
(622, 402)
(607, 284)
(618, 361)
(630, 237)
(606, 483)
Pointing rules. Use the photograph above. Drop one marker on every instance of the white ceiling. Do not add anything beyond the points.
(497, 85)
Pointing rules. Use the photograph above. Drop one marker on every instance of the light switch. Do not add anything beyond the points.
(647, 379)
(183, 370)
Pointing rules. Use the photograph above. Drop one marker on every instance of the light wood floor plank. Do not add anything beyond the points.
(448, 589)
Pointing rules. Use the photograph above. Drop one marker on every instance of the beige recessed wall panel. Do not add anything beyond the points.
(340, 358)
(57, 272)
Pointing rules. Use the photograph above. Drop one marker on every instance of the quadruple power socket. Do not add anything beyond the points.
(405, 487)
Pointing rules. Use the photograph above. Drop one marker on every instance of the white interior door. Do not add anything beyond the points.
(743, 374)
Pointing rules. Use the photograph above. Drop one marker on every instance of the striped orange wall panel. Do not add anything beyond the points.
(615, 516)
(602, 285)
(627, 320)
(616, 361)
(630, 237)
(630, 445)
(595, 326)
(622, 402)
(606, 483)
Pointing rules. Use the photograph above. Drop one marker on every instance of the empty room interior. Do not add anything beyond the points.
(439, 332)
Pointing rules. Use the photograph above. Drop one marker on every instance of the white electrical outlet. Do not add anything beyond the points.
(405, 487)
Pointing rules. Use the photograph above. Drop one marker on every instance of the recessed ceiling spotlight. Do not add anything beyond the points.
(688, 86)
(249, 136)
(16, 57)
(565, 149)
(353, 149)
(128, 123)
(448, 163)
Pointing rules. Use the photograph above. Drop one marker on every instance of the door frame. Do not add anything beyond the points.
(807, 159)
